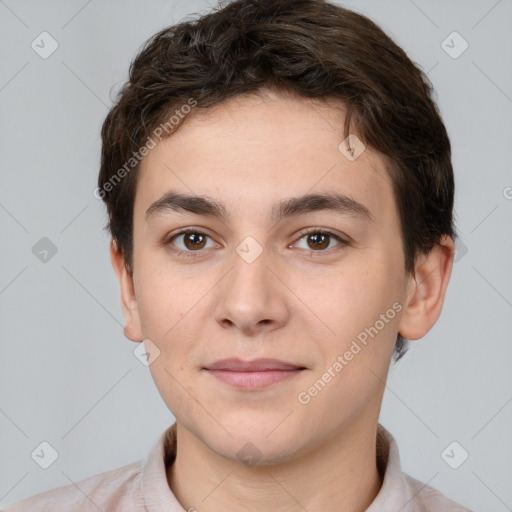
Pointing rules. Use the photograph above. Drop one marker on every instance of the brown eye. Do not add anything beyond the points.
(319, 240)
(194, 240)
(189, 241)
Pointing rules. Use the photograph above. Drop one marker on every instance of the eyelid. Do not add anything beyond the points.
(328, 231)
(200, 231)
(184, 231)
(343, 240)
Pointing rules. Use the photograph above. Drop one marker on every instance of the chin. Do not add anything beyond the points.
(260, 451)
(256, 440)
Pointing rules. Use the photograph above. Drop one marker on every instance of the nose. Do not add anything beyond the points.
(252, 298)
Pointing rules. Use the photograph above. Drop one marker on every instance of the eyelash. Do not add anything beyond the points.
(190, 254)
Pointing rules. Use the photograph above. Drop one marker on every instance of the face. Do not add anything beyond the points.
(303, 288)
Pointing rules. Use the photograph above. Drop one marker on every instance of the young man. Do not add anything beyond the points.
(280, 192)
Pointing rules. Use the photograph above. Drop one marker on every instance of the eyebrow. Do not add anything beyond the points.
(294, 206)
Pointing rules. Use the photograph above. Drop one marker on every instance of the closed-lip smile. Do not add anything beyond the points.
(255, 374)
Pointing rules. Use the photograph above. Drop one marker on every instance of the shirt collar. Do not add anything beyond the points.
(395, 494)
(155, 488)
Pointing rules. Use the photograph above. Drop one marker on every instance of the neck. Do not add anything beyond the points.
(340, 474)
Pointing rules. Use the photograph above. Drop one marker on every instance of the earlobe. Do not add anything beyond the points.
(427, 290)
(132, 329)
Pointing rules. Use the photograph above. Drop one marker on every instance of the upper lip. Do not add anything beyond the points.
(257, 365)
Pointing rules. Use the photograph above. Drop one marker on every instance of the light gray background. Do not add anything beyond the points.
(69, 377)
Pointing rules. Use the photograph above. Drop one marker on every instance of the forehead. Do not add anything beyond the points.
(252, 152)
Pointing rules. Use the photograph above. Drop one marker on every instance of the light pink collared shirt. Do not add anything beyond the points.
(142, 486)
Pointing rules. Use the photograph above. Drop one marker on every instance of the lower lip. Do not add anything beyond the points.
(254, 380)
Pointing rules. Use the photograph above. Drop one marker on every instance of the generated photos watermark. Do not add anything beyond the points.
(304, 397)
(157, 135)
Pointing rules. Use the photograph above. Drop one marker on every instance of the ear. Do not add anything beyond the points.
(132, 329)
(426, 290)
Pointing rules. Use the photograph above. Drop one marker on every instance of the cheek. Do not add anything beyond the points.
(359, 312)
(173, 311)
(344, 301)
(162, 300)
(166, 323)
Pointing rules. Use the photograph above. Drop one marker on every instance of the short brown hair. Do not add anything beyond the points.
(314, 49)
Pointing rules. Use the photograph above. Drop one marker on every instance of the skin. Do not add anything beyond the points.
(294, 303)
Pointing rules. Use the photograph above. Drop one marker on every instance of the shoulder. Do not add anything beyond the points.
(401, 491)
(117, 489)
(427, 498)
